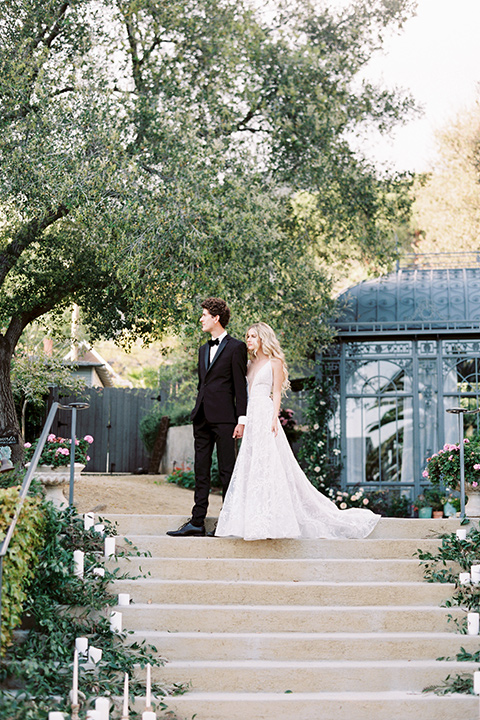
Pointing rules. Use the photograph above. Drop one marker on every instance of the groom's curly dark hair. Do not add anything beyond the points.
(217, 306)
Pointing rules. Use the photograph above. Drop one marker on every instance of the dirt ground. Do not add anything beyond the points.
(143, 494)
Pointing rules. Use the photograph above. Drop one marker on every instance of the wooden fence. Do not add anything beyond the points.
(113, 419)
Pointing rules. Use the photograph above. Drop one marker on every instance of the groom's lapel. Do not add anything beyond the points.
(221, 348)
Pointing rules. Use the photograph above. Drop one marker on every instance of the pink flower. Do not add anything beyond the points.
(466, 440)
(88, 458)
(365, 501)
(477, 466)
(27, 445)
(474, 484)
(89, 439)
(51, 437)
(450, 457)
(425, 474)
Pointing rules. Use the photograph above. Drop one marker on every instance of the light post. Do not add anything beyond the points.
(74, 406)
(461, 412)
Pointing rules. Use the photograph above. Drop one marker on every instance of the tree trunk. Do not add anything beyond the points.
(8, 415)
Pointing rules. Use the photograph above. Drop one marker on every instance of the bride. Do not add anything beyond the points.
(269, 495)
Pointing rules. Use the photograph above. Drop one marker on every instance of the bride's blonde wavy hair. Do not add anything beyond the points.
(271, 348)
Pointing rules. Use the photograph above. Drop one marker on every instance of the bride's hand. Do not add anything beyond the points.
(275, 426)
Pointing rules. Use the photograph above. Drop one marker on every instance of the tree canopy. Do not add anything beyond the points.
(150, 151)
(447, 206)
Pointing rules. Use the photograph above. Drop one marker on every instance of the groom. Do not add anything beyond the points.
(219, 413)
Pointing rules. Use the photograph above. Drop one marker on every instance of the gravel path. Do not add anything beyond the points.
(142, 494)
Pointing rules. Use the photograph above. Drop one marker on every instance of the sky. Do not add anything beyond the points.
(436, 58)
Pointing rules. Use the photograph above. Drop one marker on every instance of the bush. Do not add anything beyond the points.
(185, 477)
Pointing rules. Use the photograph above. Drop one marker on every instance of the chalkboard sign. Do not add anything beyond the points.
(7, 440)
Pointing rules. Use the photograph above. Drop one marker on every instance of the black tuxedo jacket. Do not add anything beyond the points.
(222, 385)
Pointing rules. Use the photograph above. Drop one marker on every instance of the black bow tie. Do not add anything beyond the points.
(214, 342)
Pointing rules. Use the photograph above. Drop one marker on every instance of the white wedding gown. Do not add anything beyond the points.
(269, 495)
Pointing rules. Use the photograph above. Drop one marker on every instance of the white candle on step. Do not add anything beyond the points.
(88, 520)
(476, 682)
(473, 623)
(123, 599)
(99, 528)
(109, 546)
(75, 678)
(102, 706)
(116, 621)
(81, 643)
(99, 571)
(78, 561)
(149, 715)
(149, 687)
(464, 578)
(461, 534)
(125, 696)
(475, 574)
(94, 654)
(54, 715)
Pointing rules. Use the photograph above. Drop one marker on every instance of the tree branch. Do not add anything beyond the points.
(25, 236)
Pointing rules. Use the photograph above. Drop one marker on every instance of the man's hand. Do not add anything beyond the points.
(238, 432)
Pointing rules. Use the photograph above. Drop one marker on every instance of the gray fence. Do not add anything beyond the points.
(113, 420)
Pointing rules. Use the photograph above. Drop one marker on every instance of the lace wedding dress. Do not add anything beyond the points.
(269, 494)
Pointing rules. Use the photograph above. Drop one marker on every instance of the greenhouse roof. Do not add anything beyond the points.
(432, 301)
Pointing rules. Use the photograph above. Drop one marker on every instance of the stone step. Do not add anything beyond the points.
(321, 569)
(211, 592)
(281, 618)
(302, 676)
(386, 528)
(322, 706)
(206, 547)
(306, 646)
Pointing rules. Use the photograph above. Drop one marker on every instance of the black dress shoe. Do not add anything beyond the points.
(188, 529)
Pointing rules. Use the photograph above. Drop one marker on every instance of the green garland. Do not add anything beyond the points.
(36, 674)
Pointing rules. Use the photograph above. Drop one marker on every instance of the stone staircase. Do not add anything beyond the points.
(307, 629)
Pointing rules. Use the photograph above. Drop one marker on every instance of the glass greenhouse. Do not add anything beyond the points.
(408, 348)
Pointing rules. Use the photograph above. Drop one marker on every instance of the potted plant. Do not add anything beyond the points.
(434, 497)
(443, 469)
(53, 465)
(422, 506)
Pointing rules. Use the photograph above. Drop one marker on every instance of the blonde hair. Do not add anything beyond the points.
(271, 348)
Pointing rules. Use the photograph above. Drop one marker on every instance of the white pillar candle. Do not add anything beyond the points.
(148, 701)
(94, 654)
(125, 696)
(116, 621)
(464, 578)
(99, 528)
(81, 644)
(102, 706)
(54, 715)
(99, 571)
(473, 622)
(75, 678)
(88, 520)
(123, 599)
(109, 546)
(461, 534)
(78, 561)
(475, 574)
(149, 715)
(476, 682)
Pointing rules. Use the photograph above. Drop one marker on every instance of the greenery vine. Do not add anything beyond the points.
(455, 555)
(36, 672)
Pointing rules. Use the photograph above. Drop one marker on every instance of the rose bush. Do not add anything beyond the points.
(443, 468)
(56, 451)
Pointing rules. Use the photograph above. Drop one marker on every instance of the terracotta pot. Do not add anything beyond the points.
(437, 514)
